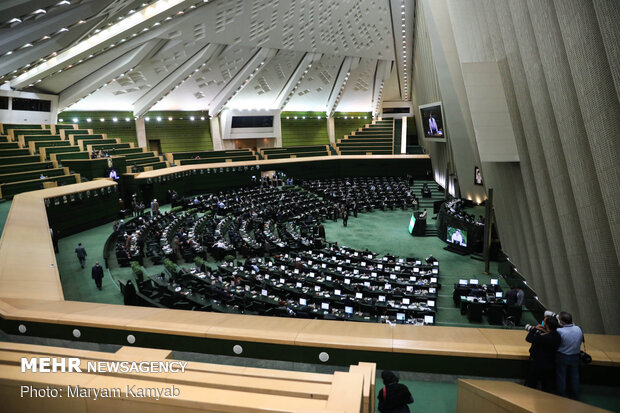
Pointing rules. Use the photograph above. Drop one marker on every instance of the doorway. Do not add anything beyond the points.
(155, 145)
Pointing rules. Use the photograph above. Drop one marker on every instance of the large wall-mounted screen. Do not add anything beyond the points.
(252, 122)
(432, 120)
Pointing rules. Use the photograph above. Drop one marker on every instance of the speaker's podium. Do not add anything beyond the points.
(417, 224)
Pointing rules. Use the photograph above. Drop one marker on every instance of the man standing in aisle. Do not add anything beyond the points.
(81, 254)
(567, 357)
(97, 274)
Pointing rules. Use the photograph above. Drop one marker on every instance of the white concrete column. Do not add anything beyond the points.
(216, 133)
(141, 132)
(331, 130)
(403, 136)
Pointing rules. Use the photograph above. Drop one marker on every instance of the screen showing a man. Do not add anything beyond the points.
(432, 121)
(457, 236)
(112, 174)
(477, 176)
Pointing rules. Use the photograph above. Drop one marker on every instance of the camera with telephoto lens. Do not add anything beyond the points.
(529, 327)
(551, 314)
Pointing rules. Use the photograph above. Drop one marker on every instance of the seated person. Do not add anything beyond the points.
(431, 259)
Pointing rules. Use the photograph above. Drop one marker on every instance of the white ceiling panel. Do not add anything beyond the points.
(263, 89)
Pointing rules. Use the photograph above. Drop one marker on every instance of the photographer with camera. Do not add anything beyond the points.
(545, 343)
(568, 356)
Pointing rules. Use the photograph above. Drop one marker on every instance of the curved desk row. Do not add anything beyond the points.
(32, 303)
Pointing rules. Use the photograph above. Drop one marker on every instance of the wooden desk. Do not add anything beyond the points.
(490, 396)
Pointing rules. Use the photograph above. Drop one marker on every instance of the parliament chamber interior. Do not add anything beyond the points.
(309, 206)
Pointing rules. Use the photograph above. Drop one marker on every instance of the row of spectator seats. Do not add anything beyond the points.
(33, 154)
(204, 386)
(25, 163)
(203, 157)
(295, 152)
(376, 138)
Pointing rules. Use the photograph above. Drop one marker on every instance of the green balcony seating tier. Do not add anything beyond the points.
(47, 152)
(108, 146)
(87, 168)
(30, 175)
(57, 128)
(11, 189)
(4, 138)
(59, 157)
(296, 155)
(4, 153)
(142, 168)
(76, 138)
(6, 127)
(296, 151)
(208, 154)
(366, 151)
(9, 145)
(24, 167)
(24, 140)
(70, 132)
(137, 155)
(376, 139)
(27, 132)
(312, 148)
(126, 152)
(347, 143)
(216, 160)
(85, 142)
(13, 160)
(36, 145)
(142, 161)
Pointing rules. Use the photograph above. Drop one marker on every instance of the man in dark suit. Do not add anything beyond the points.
(81, 254)
(97, 274)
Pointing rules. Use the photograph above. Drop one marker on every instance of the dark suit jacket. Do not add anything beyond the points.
(544, 347)
(97, 272)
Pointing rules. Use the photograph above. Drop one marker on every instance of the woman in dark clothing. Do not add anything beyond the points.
(130, 294)
(394, 397)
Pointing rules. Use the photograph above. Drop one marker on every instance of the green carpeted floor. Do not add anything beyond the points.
(441, 397)
(77, 284)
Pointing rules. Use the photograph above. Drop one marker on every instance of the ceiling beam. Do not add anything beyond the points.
(348, 64)
(134, 23)
(172, 81)
(402, 29)
(241, 79)
(293, 82)
(107, 73)
(17, 8)
(48, 25)
(29, 56)
(381, 76)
